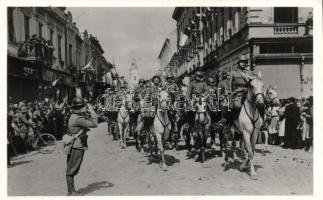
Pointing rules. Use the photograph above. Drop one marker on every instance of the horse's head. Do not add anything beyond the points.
(256, 88)
(272, 95)
(201, 104)
(164, 100)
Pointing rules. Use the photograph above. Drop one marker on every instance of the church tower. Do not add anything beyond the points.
(133, 74)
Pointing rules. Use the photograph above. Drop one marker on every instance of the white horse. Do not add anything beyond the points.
(162, 125)
(250, 121)
(123, 120)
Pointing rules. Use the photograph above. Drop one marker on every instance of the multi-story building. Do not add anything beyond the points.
(45, 45)
(167, 52)
(278, 41)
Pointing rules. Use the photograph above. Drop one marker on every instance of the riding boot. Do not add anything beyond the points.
(70, 186)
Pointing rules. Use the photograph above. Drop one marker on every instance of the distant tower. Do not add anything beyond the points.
(133, 74)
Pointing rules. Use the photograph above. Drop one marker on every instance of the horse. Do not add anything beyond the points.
(183, 120)
(162, 125)
(145, 124)
(124, 119)
(250, 121)
(202, 125)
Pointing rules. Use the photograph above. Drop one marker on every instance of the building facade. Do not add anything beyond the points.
(276, 39)
(44, 45)
(166, 53)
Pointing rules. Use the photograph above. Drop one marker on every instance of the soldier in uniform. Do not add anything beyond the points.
(197, 86)
(239, 82)
(79, 123)
(152, 91)
(171, 87)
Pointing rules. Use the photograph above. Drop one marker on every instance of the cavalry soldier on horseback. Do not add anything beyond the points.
(139, 90)
(171, 87)
(224, 83)
(197, 86)
(152, 91)
(239, 83)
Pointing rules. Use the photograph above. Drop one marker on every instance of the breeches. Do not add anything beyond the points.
(74, 161)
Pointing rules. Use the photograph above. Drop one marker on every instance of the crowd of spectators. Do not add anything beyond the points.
(293, 127)
(24, 118)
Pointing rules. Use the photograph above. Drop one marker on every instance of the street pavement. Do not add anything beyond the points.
(109, 170)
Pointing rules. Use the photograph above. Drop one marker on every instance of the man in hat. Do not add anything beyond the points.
(24, 125)
(152, 91)
(197, 86)
(224, 83)
(239, 82)
(78, 125)
(139, 90)
(171, 87)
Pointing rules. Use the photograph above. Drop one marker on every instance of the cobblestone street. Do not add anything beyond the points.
(109, 170)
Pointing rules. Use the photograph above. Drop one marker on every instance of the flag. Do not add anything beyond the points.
(78, 92)
(54, 83)
(88, 66)
(183, 39)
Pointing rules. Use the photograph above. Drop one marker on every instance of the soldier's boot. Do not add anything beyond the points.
(70, 186)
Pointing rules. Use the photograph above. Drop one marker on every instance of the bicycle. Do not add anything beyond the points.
(43, 142)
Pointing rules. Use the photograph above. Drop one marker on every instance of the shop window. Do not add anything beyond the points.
(11, 30)
(285, 15)
(27, 30)
(59, 48)
(40, 29)
(51, 36)
(70, 53)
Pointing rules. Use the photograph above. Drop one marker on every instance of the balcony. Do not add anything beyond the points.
(278, 30)
(286, 30)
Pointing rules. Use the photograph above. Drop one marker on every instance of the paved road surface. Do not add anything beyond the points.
(109, 170)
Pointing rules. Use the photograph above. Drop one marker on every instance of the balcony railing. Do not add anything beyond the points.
(286, 30)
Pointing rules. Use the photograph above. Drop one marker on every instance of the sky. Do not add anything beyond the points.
(125, 33)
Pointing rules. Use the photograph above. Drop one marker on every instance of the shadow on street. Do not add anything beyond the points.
(94, 186)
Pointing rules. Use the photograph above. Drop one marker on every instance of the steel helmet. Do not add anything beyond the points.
(243, 58)
(78, 103)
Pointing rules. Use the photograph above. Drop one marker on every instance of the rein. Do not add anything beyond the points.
(163, 124)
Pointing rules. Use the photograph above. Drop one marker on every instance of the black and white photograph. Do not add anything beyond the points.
(160, 101)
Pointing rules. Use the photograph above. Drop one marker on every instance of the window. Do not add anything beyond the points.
(70, 53)
(286, 15)
(134, 78)
(40, 29)
(11, 30)
(59, 48)
(27, 31)
(51, 37)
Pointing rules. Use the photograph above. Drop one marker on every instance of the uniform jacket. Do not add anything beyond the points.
(196, 87)
(76, 123)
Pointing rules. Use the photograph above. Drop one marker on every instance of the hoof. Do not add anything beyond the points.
(254, 176)
(226, 166)
(243, 168)
(163, 167)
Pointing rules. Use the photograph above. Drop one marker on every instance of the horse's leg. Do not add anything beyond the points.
(234, 143)
(248, 146)
(160, 146)
(126, 128)
(253, 145)
(220, 132)
(245, 160)
(120, 134)
(212, 134)
(226, 134)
